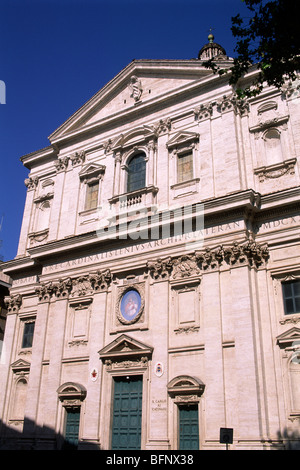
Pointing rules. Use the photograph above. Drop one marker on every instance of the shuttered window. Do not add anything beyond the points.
(91, 200)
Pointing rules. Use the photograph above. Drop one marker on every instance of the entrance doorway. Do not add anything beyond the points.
(127, 413)
(72, 428)
(188, 428)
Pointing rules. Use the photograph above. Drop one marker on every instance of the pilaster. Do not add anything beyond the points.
(61, 292)
(91, 426)
(157, 422)
(36, 372)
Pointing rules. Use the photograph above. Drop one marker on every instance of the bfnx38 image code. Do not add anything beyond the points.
(180, 459)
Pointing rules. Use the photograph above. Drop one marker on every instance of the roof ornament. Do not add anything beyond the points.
(212, 50)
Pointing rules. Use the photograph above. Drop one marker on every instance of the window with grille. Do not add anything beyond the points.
(291, 296)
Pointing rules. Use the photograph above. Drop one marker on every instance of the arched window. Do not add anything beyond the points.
(136, 169)
(273, 146)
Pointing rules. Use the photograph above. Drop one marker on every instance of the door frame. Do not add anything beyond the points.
(182, 405)
(107, 403)
(113, 397)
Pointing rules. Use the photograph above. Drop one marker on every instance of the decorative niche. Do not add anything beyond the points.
(79, 322)
(185, 306)
(273, 143)
(42, 211)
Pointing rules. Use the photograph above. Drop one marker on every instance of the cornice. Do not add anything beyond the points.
(136, 66)
(62, 134)
(242, 204)
(39, 156)
(278, 199)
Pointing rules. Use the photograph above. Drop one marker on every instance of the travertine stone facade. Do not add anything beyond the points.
(110, 289)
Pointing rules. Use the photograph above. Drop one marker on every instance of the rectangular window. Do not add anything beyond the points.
(92, 191)
(291, 296)
(28, 335)
(184, 167)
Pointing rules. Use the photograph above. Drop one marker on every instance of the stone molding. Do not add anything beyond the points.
(248, 253)
(224, 104)
(71, 394)
(185, 389)
(125, 353)
(92, 172)
(279, 121)
(76, 287)
(287, 167)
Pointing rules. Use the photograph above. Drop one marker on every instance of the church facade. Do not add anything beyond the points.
(155, 294)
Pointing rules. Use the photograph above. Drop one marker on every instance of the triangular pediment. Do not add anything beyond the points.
(182, 138)
(125, 347)
(142, 82)
(93, 169)
(20, 365)
(289, 336)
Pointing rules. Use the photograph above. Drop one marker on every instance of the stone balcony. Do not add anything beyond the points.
(134, 201)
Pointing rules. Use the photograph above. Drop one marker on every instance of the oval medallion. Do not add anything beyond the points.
(130, 305)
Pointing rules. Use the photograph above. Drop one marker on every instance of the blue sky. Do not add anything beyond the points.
(56, 54)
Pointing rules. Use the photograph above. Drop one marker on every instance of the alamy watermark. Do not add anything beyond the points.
(138, 222)
(2, 92)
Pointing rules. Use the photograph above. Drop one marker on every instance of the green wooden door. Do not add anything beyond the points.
(188, 428)
(72, 428)
(127, 413)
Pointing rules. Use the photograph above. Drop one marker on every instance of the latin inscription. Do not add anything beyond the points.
(159, 405)
(187, 238)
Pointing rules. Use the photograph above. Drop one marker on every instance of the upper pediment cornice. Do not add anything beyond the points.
(198, 76)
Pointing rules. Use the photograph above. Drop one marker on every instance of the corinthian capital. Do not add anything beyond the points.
(160, 269)
(100, 280)
(13, 303)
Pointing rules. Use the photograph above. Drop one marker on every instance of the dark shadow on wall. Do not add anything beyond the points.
(34, 437)
(290, 440)
(43, 438)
